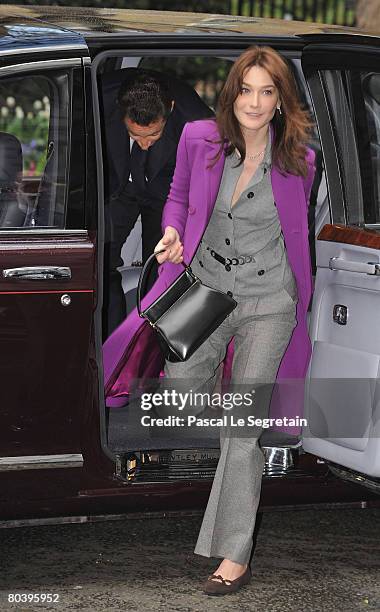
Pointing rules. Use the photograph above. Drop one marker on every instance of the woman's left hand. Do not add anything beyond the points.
(171, 242)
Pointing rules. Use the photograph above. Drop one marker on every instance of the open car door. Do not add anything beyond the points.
(47, 272)
(342, 405)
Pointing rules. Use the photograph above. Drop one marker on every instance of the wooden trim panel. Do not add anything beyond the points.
(350, 235)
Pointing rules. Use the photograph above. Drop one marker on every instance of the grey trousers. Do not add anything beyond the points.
(262, 329)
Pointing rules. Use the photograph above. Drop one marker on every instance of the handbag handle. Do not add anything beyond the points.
(144, 275)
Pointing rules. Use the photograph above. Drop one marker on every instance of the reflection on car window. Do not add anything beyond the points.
(27, 118)
(342, 115)
(33, 150)
(370, 85)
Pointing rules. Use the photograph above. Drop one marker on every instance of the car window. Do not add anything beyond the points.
(368, 113)
(319, 205)
(346, 137)
(34, 137)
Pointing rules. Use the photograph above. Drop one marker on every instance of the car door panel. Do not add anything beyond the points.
(44, 342)
(47, 278)
(342, 384)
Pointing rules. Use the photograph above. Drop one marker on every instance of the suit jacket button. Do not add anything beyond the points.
(250, 194)
(201, 264)
(261, 272)
(191, 210)
(228, 268)
(228, 241)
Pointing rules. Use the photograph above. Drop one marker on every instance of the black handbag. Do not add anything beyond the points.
(186, 314)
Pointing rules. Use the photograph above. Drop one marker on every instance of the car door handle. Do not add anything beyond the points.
(38, 273)
(336, 263)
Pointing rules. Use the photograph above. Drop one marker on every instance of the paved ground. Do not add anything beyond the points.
(305, 561)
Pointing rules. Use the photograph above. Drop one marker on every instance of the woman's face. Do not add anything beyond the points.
(256, 104)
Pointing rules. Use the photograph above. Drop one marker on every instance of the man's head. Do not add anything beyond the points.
(146, 104)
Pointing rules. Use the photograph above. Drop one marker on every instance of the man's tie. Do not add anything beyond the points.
(138, 163)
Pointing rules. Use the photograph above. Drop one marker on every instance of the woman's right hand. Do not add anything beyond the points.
(171, 242)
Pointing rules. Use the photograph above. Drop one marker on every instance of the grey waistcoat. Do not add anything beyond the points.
(251, 227)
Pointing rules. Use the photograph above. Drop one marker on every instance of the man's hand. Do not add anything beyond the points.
(171, 242)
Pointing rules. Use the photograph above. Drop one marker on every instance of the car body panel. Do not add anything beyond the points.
(120, 21)
(48, 278)
(35, 329)
(25, 36)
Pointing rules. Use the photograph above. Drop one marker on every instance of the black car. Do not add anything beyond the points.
(60, 453)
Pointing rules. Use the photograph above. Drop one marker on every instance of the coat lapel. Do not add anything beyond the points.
(284, 189)
(213, 177)
(286, 196)
(280, 190)
(207, 198)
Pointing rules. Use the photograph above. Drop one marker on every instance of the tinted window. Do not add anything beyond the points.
(344, 122)
(355, 107)
(34, 137)
(369, 137)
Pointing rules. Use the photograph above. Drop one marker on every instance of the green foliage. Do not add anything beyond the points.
(32, 131)
(25, 113)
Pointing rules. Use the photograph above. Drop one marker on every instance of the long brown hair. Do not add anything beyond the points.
(291, 129)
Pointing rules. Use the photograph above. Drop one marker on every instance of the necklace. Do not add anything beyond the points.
(252, 157)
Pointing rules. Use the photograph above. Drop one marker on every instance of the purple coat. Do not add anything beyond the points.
(132, 352)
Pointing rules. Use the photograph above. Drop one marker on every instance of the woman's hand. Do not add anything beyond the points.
(171, 242)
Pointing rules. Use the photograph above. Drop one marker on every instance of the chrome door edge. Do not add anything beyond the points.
(41, 462)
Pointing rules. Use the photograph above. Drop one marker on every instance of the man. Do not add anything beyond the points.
(142, 133)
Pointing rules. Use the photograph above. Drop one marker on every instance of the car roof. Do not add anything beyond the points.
(95, 24)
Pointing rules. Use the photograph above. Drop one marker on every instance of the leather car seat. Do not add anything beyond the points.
(14, 205)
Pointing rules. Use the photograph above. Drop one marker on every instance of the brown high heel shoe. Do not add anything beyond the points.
(224, 587)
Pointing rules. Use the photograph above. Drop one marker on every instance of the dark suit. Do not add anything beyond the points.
(127, 200)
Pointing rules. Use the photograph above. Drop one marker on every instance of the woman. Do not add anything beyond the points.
(244, 224)
(242, 185)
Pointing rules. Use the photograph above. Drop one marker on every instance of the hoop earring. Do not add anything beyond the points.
(279, 110)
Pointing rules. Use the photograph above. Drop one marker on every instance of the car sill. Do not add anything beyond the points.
(41, 462)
